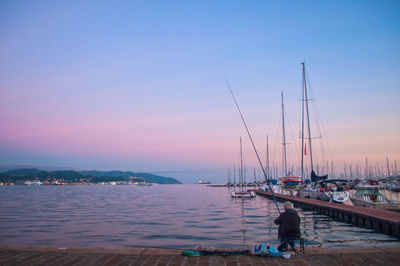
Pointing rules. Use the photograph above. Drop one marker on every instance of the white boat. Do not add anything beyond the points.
(313, 193)
(144, 184)
(339, 196)
(242, 193)
(33, 183)
(333, 190)
(368, 195)
(336, 189)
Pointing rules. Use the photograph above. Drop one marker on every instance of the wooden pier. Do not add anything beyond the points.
(363, 256)
(383, 221)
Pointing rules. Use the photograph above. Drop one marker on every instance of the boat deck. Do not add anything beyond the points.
(387, 222)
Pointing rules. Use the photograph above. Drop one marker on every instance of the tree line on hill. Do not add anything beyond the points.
(71, 176)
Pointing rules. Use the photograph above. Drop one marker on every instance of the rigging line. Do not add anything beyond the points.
(320, 125)
(277, 133)
(323, 131)
(294, 140)
(252, 143)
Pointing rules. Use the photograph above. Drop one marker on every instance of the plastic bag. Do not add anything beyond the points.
(260, 250)
(274, 252)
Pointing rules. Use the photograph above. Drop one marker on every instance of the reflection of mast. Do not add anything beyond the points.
(243, 223)
(241, 165)
(234, 177)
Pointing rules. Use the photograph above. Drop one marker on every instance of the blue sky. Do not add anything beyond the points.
(139, 85)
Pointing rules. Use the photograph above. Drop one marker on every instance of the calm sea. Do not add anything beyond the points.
(173, 216)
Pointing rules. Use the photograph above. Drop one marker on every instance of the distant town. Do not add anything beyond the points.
(35, 177)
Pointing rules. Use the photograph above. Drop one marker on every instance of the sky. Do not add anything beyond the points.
(140, 85)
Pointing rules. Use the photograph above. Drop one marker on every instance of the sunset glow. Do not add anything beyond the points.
(140, 86)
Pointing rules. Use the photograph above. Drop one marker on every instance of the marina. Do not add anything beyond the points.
(386, 222)
(121, 122)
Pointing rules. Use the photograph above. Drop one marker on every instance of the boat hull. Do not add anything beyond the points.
(243, 194)
(338, 196)
(313, 194)
(390, 206)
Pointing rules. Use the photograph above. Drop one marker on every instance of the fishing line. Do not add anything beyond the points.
(252, 143)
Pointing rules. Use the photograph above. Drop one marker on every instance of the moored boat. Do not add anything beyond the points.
(336, 189)
(368, 195)
(290, 182)
(327, 190)
(316, 190)
(339, 196)
(313, 193)
(242, 193)
(33, 183)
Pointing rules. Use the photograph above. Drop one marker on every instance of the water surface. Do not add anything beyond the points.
(173, 216)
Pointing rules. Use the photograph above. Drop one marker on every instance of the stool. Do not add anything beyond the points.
(301, 242)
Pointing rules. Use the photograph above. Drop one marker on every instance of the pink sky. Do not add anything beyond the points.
(144, 89)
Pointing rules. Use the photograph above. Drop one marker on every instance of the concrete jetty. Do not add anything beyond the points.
(378, 255)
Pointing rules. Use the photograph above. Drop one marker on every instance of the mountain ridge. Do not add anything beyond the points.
(90, 175)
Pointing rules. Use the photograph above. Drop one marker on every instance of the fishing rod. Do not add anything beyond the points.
(252, 143)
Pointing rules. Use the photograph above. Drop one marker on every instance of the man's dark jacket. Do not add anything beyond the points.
(289, 225)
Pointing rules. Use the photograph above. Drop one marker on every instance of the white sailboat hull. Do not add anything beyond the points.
(243, 194)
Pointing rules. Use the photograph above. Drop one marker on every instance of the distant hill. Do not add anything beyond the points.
(89, 176)
(146, 176)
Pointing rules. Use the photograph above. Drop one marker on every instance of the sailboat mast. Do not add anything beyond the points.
(388, 169)
(302, 126)
(267, 163)
(284, 136)
(308, 115)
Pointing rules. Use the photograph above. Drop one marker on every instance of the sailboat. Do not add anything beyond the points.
(242, 193)
(288, 182)
(319, 190)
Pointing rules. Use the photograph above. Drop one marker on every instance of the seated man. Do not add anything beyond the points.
(289, 226)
